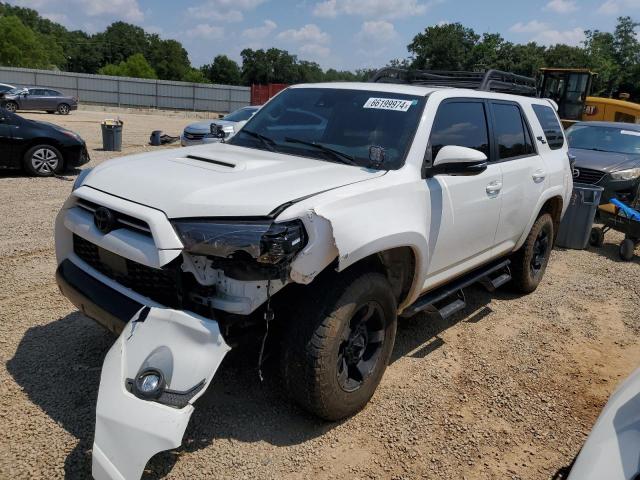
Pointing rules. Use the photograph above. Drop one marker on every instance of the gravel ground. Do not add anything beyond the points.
(508, 389)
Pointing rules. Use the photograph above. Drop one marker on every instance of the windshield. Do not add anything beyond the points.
(607, 139)
(362, 127)
(241, 115)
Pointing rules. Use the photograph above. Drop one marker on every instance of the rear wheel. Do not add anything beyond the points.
(627, 249)
(336, 348)
(63, 109)
(43, 161)
(530, 262)
(11, 106)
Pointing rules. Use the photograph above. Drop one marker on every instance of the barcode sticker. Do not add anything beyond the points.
(388, 104)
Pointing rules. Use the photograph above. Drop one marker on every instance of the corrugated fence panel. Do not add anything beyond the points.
(105, 90)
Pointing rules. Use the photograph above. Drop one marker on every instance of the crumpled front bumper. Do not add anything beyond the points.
(184, 346)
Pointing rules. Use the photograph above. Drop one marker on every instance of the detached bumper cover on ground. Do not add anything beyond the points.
(185, 347)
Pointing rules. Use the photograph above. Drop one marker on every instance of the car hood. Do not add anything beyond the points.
(604, 161)
(205, 127)
(221, 181)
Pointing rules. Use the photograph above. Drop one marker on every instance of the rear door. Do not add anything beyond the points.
(464, 209)
(524, 172)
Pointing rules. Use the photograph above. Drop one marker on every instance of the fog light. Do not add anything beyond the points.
(150, 383)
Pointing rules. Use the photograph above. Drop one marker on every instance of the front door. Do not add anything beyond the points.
(465, 210)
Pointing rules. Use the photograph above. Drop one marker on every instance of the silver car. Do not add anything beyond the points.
(202, 132)
(38, 98)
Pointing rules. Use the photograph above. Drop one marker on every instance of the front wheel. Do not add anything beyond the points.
(63, 109)
(43, 161)
(530, 262)
(336, 348)
(11, 106)
(627, 249)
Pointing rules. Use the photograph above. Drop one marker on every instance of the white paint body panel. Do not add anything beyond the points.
(611, 450)
(187, 348)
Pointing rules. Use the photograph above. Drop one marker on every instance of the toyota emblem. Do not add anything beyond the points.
(104, 220)
(576, 173)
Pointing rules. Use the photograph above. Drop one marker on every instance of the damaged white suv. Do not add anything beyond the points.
(336, 209)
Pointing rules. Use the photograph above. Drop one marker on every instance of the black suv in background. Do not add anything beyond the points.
(41, 148)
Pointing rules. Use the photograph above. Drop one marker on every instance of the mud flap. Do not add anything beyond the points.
(187, 349)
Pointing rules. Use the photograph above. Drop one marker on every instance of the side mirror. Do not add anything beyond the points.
(455, 160)
(220, 116)
(217, 131)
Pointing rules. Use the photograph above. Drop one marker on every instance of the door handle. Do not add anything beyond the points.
(538, 176)
(494, 187)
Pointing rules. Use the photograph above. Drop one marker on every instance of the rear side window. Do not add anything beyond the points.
(53, 93)
(512, 136)
(549, 122)
(463, 124)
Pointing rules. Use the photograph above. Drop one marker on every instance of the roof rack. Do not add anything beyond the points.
(489, 81)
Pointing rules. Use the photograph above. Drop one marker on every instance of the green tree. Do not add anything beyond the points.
(195, 76)
(120, 41)
(20, 46)
(223, 70)
(168, 58)
(444, 47)
(134, 66)
(566, 56)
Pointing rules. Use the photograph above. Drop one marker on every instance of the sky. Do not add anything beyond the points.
(342, 34)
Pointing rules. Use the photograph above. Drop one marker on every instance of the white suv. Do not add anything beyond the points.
(336, 209)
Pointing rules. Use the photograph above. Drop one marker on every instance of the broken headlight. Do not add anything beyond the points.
(265, 241)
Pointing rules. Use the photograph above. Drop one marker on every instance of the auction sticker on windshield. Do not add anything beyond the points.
(388, 104)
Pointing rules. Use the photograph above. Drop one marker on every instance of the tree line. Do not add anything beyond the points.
(122, 49)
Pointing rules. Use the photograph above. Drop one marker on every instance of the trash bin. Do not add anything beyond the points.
(155, 139)
(578, 220)
(112, 135)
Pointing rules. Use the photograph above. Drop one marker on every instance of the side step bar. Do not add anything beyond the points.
(449, 299)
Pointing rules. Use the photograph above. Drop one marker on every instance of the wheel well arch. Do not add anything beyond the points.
(553, 206)
(40, 141)
(398, 264)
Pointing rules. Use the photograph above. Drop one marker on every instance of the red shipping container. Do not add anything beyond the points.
(261, 93)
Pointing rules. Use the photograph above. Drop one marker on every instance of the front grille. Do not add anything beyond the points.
(194, 136)
(157, 284)
(122, 220)
(586, 175)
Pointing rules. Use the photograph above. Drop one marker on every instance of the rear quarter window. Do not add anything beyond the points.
(550, 125)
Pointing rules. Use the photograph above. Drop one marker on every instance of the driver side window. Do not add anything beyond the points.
(461, 123)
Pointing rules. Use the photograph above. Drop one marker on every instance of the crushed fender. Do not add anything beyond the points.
(131, 427)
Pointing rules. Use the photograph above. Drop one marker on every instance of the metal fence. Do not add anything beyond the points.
(132, 92)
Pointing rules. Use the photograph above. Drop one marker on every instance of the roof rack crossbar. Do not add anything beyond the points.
(490, 80)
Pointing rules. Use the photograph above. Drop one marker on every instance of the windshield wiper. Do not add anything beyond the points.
(337, 154)
(266, 141)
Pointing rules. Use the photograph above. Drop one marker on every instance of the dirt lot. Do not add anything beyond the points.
(509, 389)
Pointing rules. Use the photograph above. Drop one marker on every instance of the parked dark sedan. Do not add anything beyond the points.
(37, 98)
(41, 148)
(608, 155)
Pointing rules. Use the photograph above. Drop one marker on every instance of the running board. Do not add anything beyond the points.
(449, 299)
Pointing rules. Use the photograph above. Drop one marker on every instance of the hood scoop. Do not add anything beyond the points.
(210, 163)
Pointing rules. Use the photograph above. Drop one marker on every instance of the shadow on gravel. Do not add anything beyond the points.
(419, 335)
(58, 366)
(610, 251)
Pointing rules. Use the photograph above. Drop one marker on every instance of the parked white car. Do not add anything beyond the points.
(611, 450)
(337, 208)
(202, 132)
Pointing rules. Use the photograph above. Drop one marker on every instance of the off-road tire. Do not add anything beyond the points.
(524, 279)
(10, 106)
(313, 339)
(31, 166)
